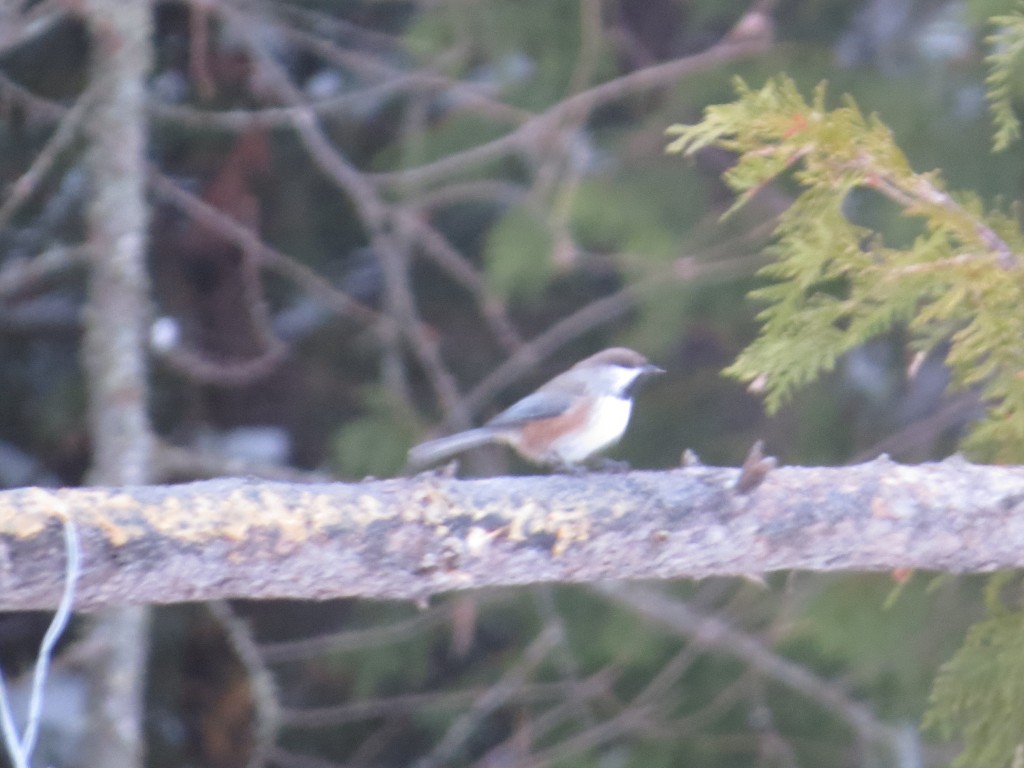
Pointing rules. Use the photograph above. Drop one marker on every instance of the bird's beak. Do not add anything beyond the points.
(651, 370)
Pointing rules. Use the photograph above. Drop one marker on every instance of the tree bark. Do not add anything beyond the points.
(114, 348)
(410, 538)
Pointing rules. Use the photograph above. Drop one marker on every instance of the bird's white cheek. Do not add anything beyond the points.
(607, 422)
(622, 378)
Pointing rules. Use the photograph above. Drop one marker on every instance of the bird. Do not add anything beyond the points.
(565, 421)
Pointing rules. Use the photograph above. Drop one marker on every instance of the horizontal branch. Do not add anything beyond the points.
(412, 537)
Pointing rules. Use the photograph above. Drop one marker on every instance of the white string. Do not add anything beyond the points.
(21, 749)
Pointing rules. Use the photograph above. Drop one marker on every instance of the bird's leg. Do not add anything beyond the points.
(567, 468)
(611, 466)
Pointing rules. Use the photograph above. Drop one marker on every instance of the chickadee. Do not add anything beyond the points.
(566, 421)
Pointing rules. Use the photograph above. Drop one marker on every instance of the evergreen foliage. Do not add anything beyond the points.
(978, 693)
(833, 285)
(1006, 45)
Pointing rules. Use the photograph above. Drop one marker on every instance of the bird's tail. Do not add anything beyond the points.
(437, 450)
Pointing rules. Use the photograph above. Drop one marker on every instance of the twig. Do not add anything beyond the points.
(402, 303)
(441, 252)
(374, 215)
(198, 50)
(354, 640)
(230, 229)
(595, 314)
(200, 367)
(20, 275)
(30, 22)
(264, 691)
(38, 106)
(591, 27)
(638, 715)
(499, 693)
(713, 633)
(923, 194)
(502, 193)
(325, 23)
(284, 758)
(629, 719)
(573, 108)
(958, 411)
(350, 57)
(61, 139)
(566, 661)
(333, 716)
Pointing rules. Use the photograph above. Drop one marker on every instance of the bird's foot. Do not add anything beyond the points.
(611, 466)
(602, 464)
(576, 470)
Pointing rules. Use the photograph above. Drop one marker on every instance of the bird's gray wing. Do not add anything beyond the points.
(539, 405)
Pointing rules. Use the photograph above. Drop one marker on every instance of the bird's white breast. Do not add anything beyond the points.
(608, 420)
